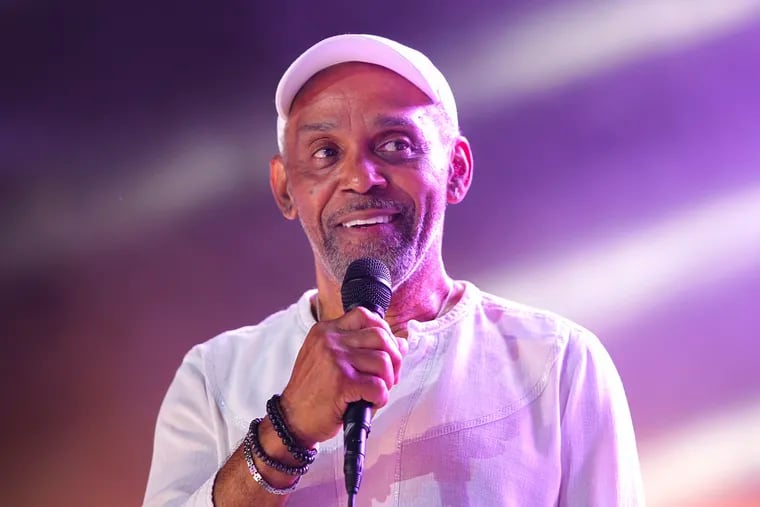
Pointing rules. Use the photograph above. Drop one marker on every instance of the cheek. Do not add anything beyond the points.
(435, 200)
(311, 198)
(431, 188)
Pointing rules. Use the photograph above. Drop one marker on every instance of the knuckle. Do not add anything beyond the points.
(379, 391)
(364, 312)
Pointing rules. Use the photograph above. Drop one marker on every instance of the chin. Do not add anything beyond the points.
(399, 262)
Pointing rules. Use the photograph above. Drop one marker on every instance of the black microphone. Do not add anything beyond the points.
(367, 283)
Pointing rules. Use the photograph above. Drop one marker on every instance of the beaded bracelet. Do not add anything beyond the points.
(251, 442)
(274, 411)
(250, 439)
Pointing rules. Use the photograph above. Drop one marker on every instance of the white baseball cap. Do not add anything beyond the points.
(404, 61)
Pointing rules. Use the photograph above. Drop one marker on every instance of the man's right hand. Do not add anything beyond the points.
(354, 357)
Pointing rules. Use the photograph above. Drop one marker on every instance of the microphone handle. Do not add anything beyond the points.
(356, 426)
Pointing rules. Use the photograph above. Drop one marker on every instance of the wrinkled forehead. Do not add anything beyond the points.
(359, 81)
(344, 72)
(352, 79)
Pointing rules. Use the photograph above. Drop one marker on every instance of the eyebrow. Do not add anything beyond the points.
(322, 126)
(395, 121)
(382, 121)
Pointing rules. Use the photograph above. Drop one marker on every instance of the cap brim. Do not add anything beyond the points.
(352, 48)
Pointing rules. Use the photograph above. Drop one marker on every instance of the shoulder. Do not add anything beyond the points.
(571, 346)
(249, 352)
(582, 365)
(530, 321)
(582, 359)
(270, 332)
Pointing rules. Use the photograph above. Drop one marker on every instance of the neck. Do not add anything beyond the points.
(423, 296)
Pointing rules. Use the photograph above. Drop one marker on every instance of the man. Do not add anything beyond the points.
(477, 401)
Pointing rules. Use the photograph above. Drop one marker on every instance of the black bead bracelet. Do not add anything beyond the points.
(251, 444)
(274, 411)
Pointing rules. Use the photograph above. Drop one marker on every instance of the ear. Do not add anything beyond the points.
(460, 171)
(278, 181)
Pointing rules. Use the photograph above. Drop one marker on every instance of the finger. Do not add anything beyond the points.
(403, 347)
(402, 344)
(362, 318)
(369, 388)
(359, 318)
(374, 362)
(377, 339)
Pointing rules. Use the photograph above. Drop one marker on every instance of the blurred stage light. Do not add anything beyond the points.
(199, 168)
(705, 460)
(617, 279)
(567, 41)
(549, 47)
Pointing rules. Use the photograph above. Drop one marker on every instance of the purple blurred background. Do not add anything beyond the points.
(616, 147)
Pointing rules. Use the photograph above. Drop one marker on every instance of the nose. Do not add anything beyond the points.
(361, 174)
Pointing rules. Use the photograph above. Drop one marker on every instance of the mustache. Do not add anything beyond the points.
(367, 203)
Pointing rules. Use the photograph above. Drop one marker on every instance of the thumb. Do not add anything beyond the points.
(403, 345)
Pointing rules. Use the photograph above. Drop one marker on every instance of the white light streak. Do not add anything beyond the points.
(697, 463)
(196, 170)
(574, 40)
(616, 280)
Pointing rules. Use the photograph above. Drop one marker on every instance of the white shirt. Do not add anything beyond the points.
(498, 404)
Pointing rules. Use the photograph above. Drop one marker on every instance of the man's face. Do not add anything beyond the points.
(366, 169)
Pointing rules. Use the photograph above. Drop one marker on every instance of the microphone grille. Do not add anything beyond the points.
(367, 283)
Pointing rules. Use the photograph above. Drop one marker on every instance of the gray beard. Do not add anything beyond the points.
(399, 252)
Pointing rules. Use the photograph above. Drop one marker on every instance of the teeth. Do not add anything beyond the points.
(369, 221)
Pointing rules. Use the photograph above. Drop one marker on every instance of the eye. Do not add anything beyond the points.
(396, 146)
(325, 152)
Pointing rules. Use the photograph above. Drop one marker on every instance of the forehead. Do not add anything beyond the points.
(350, 86)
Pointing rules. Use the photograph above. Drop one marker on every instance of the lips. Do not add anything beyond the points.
(366, 216)
(357, 222)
